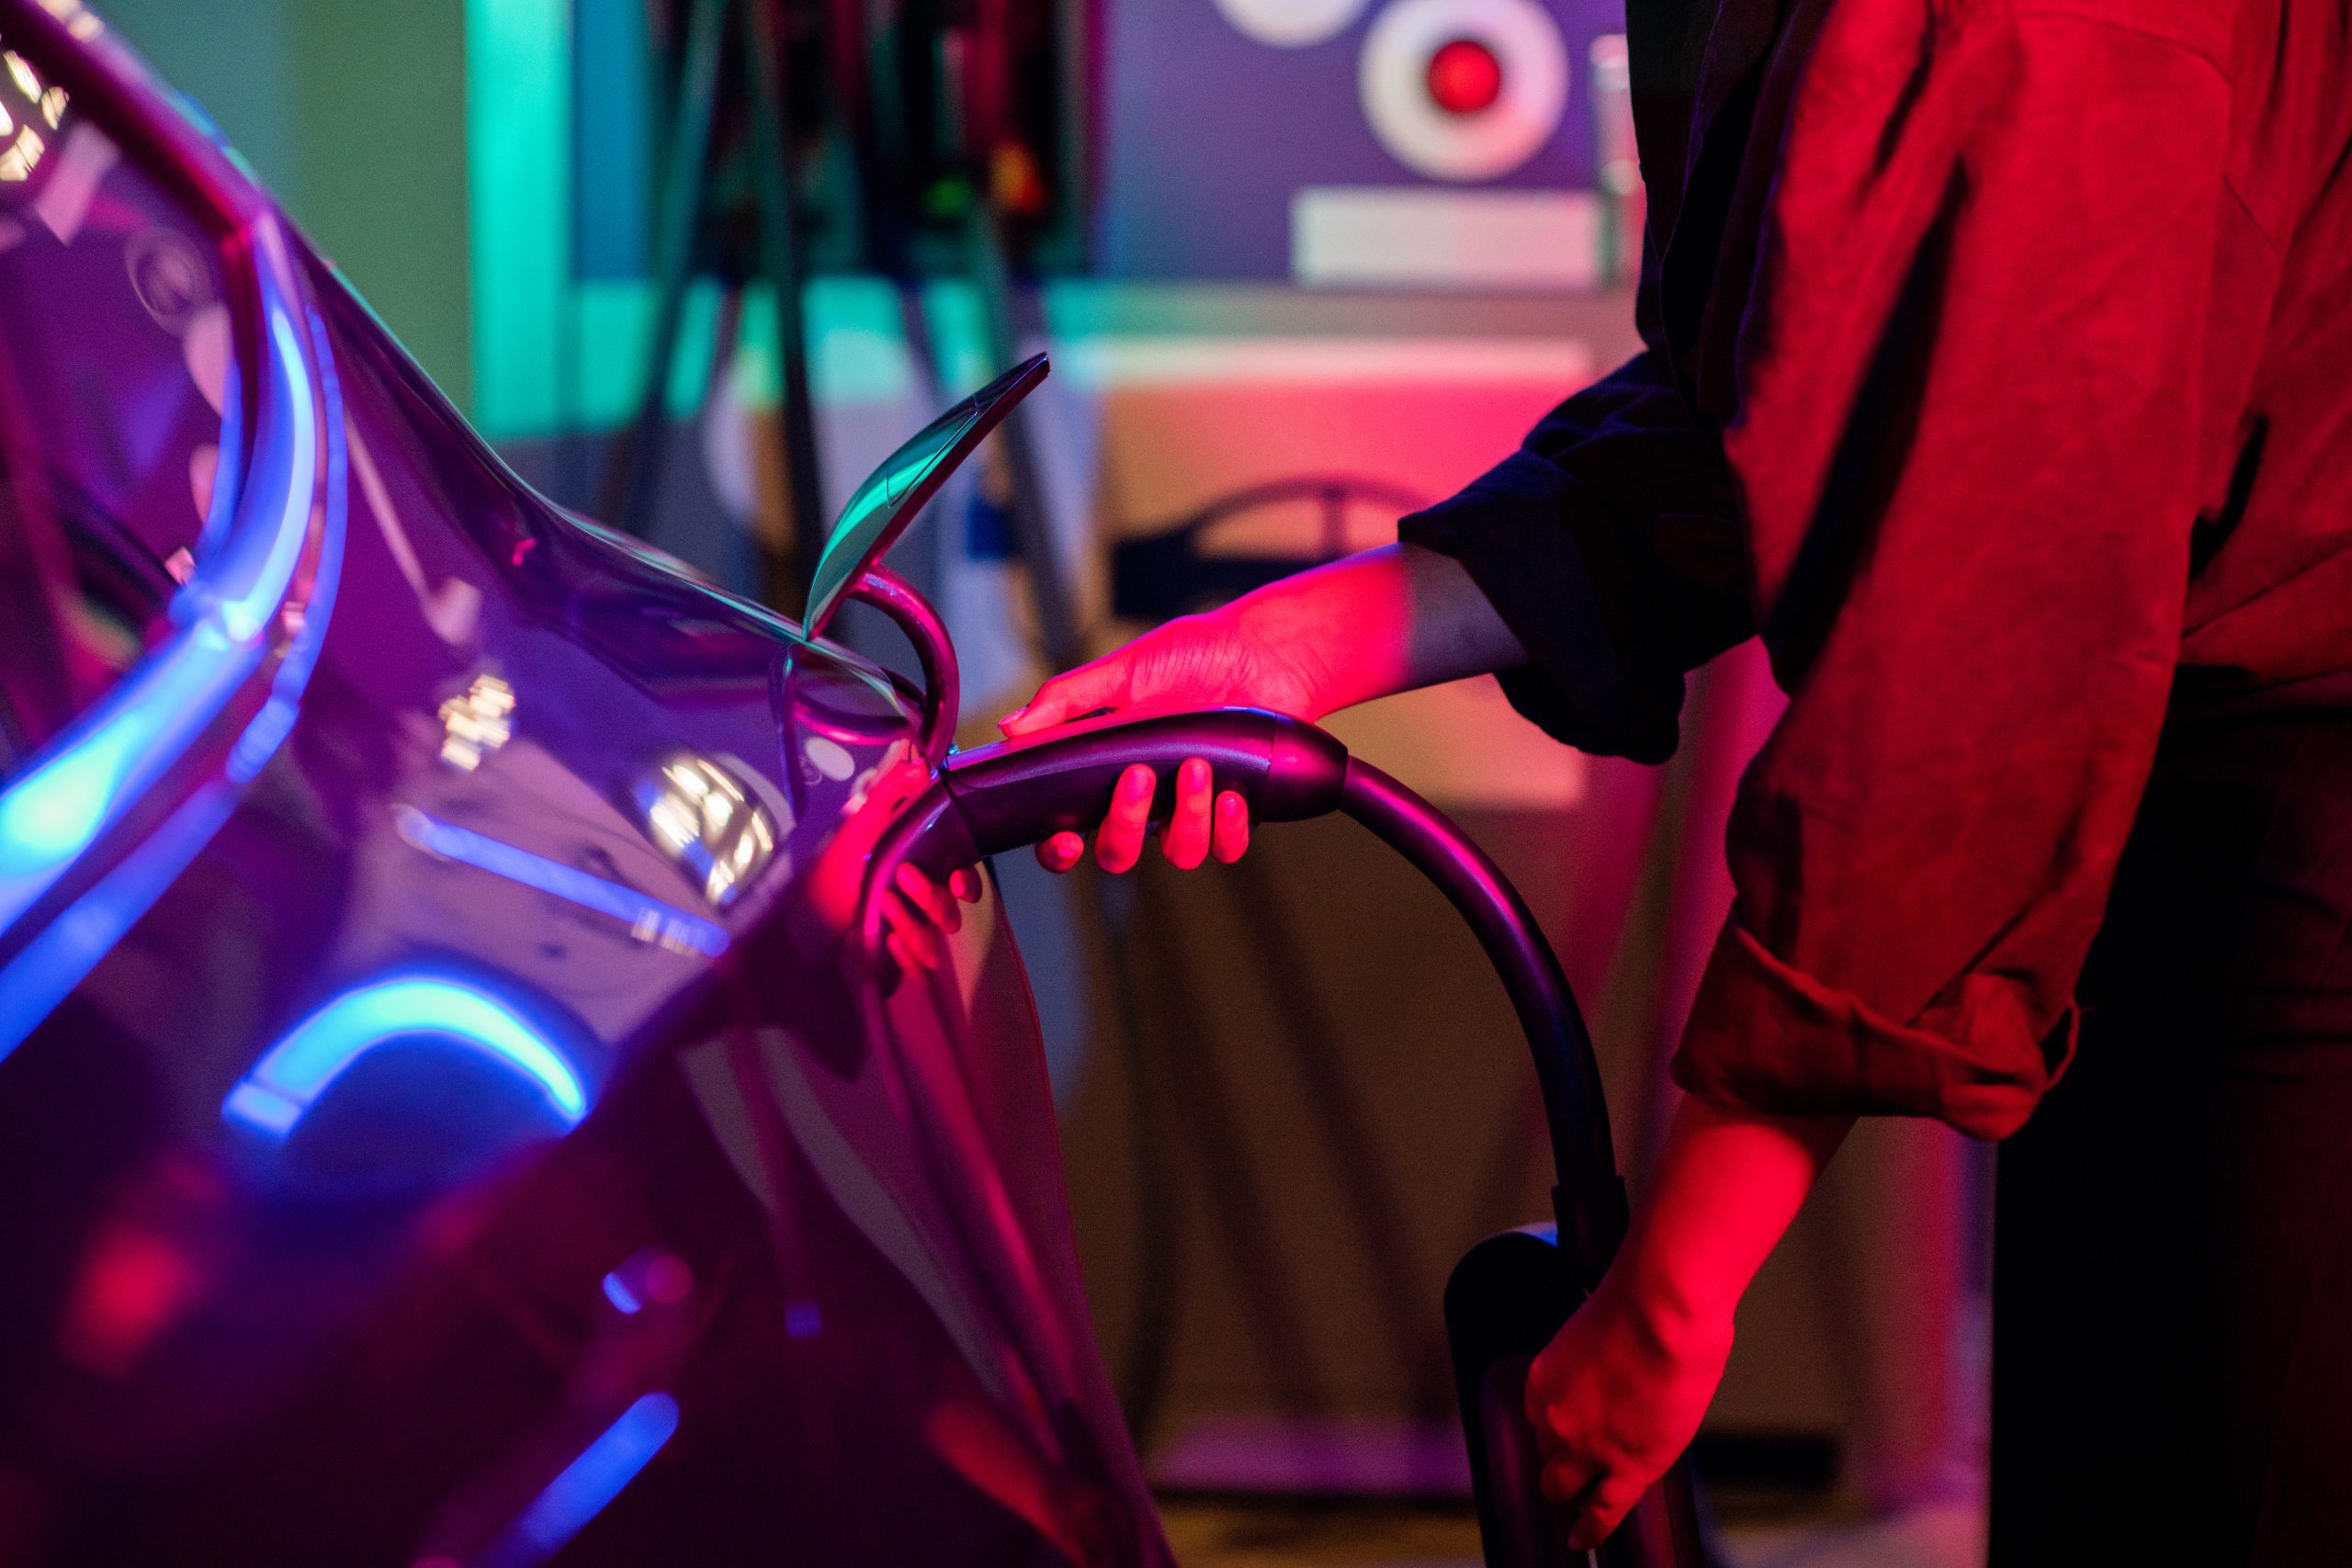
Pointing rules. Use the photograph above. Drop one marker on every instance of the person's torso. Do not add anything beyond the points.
(2269, 596)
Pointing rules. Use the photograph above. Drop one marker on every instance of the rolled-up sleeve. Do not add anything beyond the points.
(1609, 543)
(1966, 446)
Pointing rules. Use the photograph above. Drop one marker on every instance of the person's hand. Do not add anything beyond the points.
(919, 915)
(1615, 1398)
(1218, 660)
(1197, 661)
(1197, 830)
(1383, 621)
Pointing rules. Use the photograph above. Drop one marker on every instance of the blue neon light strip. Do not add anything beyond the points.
(54, 963)
(641, 913)
(56, 809)
(54, 812)
(288, 1080)
(268, 729)
(587, 1486)
(260, 579)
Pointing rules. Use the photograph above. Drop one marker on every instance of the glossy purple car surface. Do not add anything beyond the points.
(445, 1114)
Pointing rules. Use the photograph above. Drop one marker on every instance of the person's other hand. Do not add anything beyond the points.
(1615, 1398)
(1200, 826)
(918, 916)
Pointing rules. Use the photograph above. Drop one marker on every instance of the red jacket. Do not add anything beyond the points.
(1999, 378)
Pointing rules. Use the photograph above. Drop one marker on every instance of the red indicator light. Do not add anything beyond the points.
(1465, 77)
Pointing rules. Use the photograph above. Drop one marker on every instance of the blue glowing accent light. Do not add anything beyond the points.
(53, 812)
(648, 916)
(617, 1292)
(587, 1486)
(54, 963)
(283, 1086)
(127, 740)
(260, 579)
(57, 808)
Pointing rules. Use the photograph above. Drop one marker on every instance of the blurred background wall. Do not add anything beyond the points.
(354, 114)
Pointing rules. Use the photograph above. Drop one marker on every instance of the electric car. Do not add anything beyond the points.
(470, 1091)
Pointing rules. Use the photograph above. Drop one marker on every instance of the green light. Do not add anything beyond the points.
(518, 155)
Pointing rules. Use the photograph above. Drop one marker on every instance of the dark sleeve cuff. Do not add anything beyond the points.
(1764, 1036)
(1512, 529)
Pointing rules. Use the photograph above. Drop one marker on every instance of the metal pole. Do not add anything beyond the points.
(788, 575)
(632, 474)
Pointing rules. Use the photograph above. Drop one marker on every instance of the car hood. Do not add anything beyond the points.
(437, 1119)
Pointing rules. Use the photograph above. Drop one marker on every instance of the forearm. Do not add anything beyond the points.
(1623, 1387)
(1726, 1186)
(1388, 620)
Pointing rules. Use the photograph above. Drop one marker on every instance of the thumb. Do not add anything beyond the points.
(1081, 691)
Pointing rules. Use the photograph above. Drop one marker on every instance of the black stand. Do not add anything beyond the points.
(632, 477)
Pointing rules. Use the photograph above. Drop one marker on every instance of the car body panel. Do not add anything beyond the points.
(458, 1132)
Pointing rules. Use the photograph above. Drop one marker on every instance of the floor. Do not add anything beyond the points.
(1290, 1535)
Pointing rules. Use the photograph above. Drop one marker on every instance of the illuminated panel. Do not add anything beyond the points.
(1427, 237)
(287, 1080)
(587, 1486)
(518, 150)
(648, 917)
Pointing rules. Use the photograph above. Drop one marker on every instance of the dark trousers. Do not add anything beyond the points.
(2172, 1362)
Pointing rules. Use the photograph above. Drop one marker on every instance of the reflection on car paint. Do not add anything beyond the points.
(422, 1037)
(453, 608)
(885, 1197)
(61, 955)
(53, 810)
(705, 818)
(648, 918)
(477, 721)
(293, 1074)
(652, 1278)
(91, 774)
(587, 1486)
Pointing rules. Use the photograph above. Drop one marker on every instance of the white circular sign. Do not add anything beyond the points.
(1290, 24)
(1393, 79)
